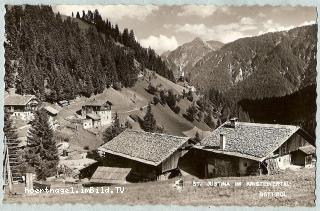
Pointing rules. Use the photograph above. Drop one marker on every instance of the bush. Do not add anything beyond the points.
(128, 125)
(151, 89)
(117, 86)
(190, 96)
(171, 99)
(86, 147)
(191, 113)
(163, 97)
(156, 100)
(175, 109)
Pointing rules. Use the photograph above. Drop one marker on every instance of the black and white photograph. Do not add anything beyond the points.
(199, 105)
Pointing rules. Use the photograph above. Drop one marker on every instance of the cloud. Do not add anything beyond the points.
(112, 12)
(247, 21)
(224, 33)
(271, 26)
(198, 10)
(262, 15)
(307, 23)
(161, 43)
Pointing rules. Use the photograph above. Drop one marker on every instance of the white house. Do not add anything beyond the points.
(21, 106)
(96, 113)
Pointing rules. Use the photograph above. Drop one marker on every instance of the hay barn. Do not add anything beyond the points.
(241, 148)
(151, 156)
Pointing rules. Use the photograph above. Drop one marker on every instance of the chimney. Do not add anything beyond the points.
(233, 122)
(222, 141)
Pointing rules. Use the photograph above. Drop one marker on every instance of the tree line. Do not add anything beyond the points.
(57, 57)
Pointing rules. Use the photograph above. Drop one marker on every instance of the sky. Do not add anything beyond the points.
(164, 28)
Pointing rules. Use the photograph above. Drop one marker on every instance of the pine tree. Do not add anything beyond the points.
(114, 130)
(41, 152)
(191, 112)
(149, 122)
(8, 128)
(78, 15)
(197, 137)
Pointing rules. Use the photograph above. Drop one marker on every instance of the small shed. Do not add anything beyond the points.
(64, 103)
(304, 156)
(78, 168)
(51, 111)
(110, 175)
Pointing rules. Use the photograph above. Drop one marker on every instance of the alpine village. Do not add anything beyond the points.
(85, 105)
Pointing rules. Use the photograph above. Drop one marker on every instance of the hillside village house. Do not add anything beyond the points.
(96, 113)
(21, 106)
(150, 156)
(241, 148)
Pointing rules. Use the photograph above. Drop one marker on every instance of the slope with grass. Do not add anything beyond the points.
(300, 192)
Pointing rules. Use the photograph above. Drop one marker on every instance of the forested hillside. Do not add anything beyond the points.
(298, 108)
(55, 59)
(273, 64)
(188, 54)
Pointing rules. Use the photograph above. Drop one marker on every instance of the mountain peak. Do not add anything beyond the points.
(197, 39)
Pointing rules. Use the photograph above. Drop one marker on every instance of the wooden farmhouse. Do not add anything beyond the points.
(241, 148)
(150, 156)
(21, 106)
(96, 113)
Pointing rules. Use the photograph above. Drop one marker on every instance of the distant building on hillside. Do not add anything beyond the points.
(150, 156)
(181, 72)
(64, 103)
(241, 148)
(96, 113)
(52, 113)
(21, 106)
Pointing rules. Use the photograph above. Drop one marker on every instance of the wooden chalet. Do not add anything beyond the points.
(21, 106)
(241, 148)
(151, 156)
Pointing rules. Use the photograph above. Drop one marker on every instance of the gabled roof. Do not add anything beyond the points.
(15, 99)
(93, 116)
(95, 102)
(51, 110)
(308, 149)
(110, 175)
(78, 164)
(251, 140)
(145, 147)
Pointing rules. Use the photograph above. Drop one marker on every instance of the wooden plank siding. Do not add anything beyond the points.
(171, 162)
(293, 144)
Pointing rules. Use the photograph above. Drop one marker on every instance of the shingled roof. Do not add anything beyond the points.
(249, 140)
(51, 110)
(110, 175)
(95, 102)
(145, 147)
(308, 150)
(15, 99)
